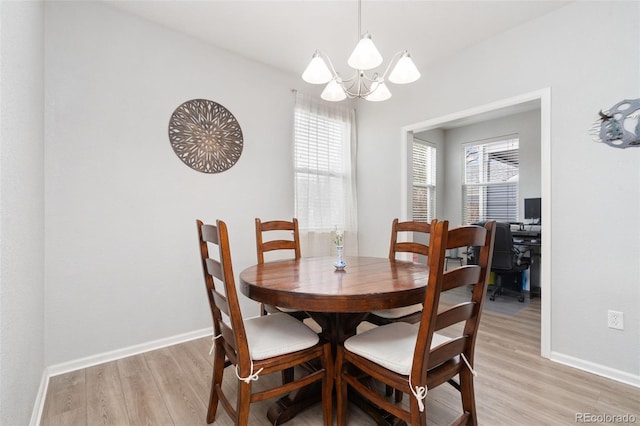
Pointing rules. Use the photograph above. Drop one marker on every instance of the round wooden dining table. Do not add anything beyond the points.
(313, 285)
(338, 300)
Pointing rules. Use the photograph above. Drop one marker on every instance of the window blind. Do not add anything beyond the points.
(424, 181)
(490, 188)
(322, 166)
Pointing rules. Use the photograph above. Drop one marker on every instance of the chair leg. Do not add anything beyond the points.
(243, 403)
(388, 390)
(468, 396)
(418, 418)
(287, 375)
(216, 381)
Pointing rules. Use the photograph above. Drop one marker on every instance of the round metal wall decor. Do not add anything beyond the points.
(205, 136)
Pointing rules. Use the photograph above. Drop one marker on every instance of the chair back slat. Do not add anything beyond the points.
(278, 245)
(210, 234)
(276, 227)
(411, 247)
(229, 335)
(221, 302)
(214, 268)
(454, 315)
(466, 236)
(412, 226)
(420, 231)
(465, 275)
(446, 351)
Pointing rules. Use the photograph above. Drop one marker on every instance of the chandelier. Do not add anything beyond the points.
(364, 57)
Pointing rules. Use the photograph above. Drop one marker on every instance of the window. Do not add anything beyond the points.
(324, 169)
(490, 187)
(423, 165)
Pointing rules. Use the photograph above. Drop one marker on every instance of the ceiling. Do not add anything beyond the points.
(285, 34)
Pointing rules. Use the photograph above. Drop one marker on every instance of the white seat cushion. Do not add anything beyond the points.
(398, 312)
(390, 346)
(277, 334)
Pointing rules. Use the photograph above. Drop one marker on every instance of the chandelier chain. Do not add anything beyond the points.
(359, 20)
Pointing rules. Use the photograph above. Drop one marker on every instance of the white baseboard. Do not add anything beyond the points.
(600, 370)
(36, 415)
(89, 361)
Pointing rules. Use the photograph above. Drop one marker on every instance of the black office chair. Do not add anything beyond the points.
(508, 262)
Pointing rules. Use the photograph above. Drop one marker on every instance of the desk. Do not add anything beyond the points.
(337, 300)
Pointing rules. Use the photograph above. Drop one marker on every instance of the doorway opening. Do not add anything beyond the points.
(537, 100)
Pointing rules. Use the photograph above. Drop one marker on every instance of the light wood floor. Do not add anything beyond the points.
(515, 386)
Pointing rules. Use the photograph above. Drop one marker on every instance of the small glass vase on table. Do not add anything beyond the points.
(338, 239)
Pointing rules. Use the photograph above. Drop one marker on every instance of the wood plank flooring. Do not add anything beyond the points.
(515, 386)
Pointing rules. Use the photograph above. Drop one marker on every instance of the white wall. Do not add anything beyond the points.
(525, 125)
(21, 209)
(595, 195)
(122, 262)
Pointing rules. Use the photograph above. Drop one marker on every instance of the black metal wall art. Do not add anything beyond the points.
(205, 136)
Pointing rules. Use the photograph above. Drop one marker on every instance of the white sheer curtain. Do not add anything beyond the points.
(325, 175)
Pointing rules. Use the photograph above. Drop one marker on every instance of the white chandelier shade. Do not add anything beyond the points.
(405, 70)
(379, 92)
(364, 57)
(317, 71)
(333, 92)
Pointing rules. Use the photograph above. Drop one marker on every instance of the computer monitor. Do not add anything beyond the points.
(533, 210)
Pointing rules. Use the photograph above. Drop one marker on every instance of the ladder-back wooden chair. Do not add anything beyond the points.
(417, 231)
(278, 228)
(256, 346)
(413, 359)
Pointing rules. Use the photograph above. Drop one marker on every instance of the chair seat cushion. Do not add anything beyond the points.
(390, 346)
(277, 334)
(398, 312)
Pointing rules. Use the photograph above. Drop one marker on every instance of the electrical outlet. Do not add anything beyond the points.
(615, 320)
